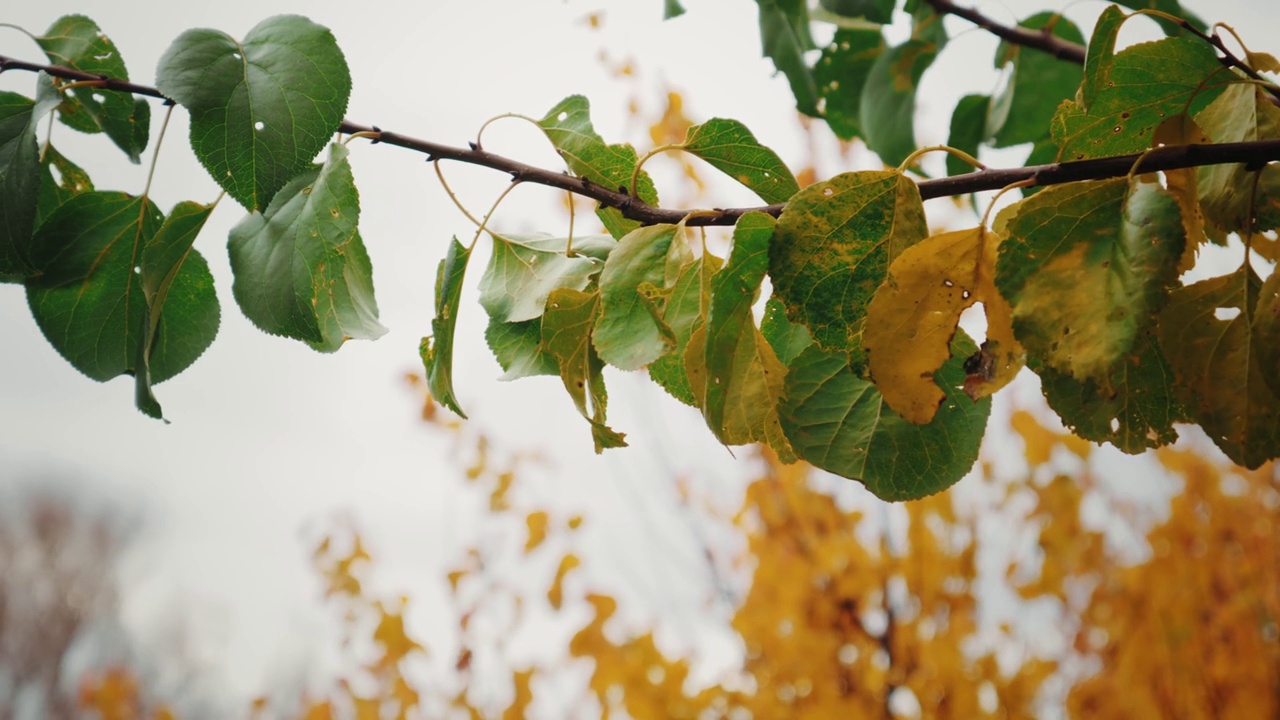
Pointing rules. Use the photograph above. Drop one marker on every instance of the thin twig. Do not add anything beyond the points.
(1043, 40)
(1254, 153)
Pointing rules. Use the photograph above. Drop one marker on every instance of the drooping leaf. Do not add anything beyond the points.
(876, 11)
(1266, 330)
(968, 130)
(1208, 334)
(261, 108)
(301, 269)
(731, 148)
(784, 34)
(627, 335)
(839, 422)
(833, 247)
(915, 313)
(568, 127)
(1241, 113)
(786, 338)
(518, 348)
(71, 180)
(1134, 408)
(437, 350)
(90, 300)
(566, 335)
(1126, 95)
(743, 377)
(164, 257)
(77, 42)
(1086, 266)
(888, 106)
(685, 310)
(524, 269)
(1038, 83)
(841, 73)
(19, 183)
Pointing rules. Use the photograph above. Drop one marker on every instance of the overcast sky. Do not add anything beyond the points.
(269, 440)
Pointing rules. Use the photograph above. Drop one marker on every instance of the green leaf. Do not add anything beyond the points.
(833, 247)
(91, 301)
(1126, 95)
(837, 421)
(888, 107)
(744, 378)
(1133, 408)
(968, 130)
(786, 338)
(1038, 83)
(1208, 334)
(876, 11)
(784, 34)
(731, 148)
(77, 42)
(518, 348)
(1266, 329)
(166, 255)
(842, 72)
(1086, 266)
(524, 269)
(70, 181)
(261, 108)
(685, 310)
(19, 183)
(566, 336)
(568, 126)
(671, 9)
(437, 350)
(300, 268)
(1241, 113)
(627, 335)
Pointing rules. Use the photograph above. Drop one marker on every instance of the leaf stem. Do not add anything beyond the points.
(966, 157)
(495, 118)
(155, 154)
(635, 174)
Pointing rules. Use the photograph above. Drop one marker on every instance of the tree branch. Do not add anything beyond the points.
(1043, 40)
(1255, 153)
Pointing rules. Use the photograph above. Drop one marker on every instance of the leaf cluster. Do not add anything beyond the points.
(854, 359)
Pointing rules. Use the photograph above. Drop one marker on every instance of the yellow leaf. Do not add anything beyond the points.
(319, 711)
(524, 696)
(914, 314)
(537, 522)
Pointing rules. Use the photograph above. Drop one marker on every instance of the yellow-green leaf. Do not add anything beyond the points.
(566, 336)
(1085, 267)
(833, 247)
(1208, 333)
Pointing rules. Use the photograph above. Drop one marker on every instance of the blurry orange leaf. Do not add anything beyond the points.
(537, 522)
(556, 594)
(319, 711)
(524, 696)
(390, 634)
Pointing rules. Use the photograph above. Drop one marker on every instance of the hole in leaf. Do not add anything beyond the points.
(71, 92)
(235, 55)
(562, 116)
(1226, 313)
(1116, 129)
(56, 173)
(99, 98)
(828, 192)
(104, 56)
(259, 125)
(1115, 424)
(848, 654)
(137, 269)
(948, 283)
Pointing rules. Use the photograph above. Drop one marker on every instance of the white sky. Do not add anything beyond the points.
(270, 441)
